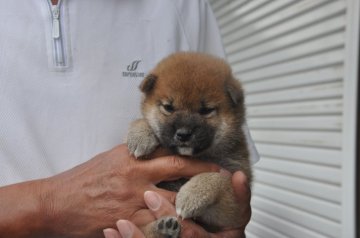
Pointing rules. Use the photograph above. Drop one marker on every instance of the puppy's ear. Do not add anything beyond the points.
(148, 84)
(235, 92)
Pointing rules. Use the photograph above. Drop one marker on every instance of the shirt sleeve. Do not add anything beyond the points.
(202, 32)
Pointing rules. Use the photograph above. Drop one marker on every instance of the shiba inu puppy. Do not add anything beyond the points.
(194, 107)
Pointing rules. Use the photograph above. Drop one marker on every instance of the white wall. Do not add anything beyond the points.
(297, 62)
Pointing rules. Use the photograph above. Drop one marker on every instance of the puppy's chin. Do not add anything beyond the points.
(187, 151)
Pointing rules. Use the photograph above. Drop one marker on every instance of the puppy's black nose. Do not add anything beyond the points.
(183, 134)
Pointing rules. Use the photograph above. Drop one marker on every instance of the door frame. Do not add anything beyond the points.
(349, 122)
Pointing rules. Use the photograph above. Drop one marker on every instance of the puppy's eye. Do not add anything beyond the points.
(207, 111)
(167, 109)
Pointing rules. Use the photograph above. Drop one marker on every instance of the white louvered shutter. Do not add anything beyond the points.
(291, 58)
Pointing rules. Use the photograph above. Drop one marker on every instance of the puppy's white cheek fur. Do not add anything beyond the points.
(185, 151)
(151, 117)
(221, 131)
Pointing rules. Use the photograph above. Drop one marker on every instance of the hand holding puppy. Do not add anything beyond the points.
(161, 207)
(82, 201)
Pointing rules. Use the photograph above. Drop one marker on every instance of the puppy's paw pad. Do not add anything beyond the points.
(169, 227)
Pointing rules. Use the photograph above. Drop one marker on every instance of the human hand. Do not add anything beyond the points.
(160, 207)
(83, 201)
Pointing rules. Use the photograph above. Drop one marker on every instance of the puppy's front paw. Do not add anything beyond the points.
(141, 140)
(169, 227)
(141, 145)
(189, 205)
(195, 197)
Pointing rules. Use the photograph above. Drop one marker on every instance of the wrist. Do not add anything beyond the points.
(40, 217)
(45, 209)
(22, 210)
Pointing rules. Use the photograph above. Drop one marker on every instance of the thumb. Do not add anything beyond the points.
(126, 229)
(241, 187)
(243, 196)
(159, 205)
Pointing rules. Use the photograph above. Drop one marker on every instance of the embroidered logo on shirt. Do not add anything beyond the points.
(131, 70)
(133, 66)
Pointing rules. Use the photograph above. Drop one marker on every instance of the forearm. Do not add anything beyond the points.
(22, 211)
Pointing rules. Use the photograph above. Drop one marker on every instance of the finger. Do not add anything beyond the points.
(189, 229)
(128, 230)
(241, 187)
(172, 167)
(111, 233)
(239, 233)
(155, 200)
(158, 205)
(142, 217)
(119, 151)
(160, 152)
(243, 196)
(168, 195)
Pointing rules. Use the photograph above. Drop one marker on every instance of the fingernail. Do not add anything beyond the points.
(124, 228)
(108, 233)
(241, 177)
(152, 200)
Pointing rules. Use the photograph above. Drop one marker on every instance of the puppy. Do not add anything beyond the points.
(194, 107)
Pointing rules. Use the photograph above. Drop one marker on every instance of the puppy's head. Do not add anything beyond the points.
(192, 102)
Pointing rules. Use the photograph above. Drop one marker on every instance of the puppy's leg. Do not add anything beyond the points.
(209, 198)
(165, 227)
(141, 139)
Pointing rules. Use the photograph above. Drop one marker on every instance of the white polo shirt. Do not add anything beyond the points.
(69, 82)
